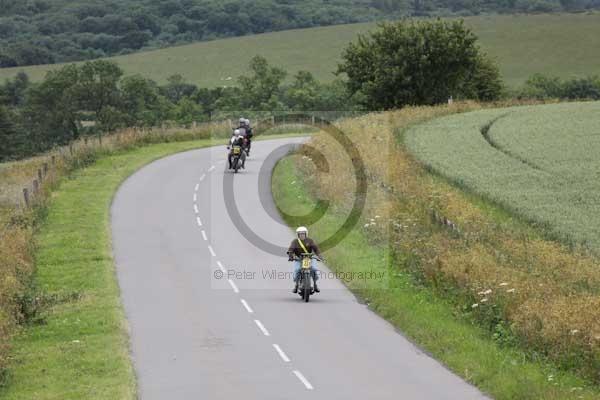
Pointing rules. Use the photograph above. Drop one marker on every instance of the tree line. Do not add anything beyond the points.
(51, 31)
(95, 98)
(406, 63)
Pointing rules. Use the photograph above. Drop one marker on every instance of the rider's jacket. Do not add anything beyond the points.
(236, 142)
(310, 245)
(247, 131)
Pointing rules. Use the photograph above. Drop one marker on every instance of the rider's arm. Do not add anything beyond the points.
(292, 249)
(315, 248)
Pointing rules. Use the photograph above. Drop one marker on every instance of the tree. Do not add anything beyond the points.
(409, 63)
(97, 89)
(187, 111)
(52, 113)
(483, 83)
(9, 137)
(12, 93)
(142, 102)
(259, 90)
(177, 88)
(302, 94)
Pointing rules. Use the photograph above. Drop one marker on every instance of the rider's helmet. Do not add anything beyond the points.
(242, 121)
(247, 122)
(302, 231)
(236, 133)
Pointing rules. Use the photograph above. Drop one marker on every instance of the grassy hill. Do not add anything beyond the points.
(565, 45)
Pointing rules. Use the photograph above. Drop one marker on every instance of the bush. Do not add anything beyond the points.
(543, 87)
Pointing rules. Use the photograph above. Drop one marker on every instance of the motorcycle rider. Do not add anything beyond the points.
(303, 244)
(244, 127)
(236, 140)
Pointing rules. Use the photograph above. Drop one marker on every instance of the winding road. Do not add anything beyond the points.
(209, 318)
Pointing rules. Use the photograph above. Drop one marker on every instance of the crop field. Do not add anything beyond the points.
(539, 161)
(564, 45)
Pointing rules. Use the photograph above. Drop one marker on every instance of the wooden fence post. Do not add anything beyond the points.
(53, 160)
(45, 168)
(36, 187)
(26, 196)
(40, 177)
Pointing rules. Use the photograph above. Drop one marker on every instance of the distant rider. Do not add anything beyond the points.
(236, 140)
(303, 244)
(244, 127)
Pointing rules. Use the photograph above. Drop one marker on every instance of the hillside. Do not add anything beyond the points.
(34, 32)
(564, 45)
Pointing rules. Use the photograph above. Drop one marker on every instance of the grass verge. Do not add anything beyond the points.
(432, 322)
(78, 347)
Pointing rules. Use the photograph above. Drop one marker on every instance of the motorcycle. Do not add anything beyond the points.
(237, 158)
(305, 282)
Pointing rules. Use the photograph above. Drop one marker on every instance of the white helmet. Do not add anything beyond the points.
(302, 229)
(236, 132)
(247, 122)
(242, 121)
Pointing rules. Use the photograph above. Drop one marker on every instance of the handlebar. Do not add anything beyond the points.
(296, 258)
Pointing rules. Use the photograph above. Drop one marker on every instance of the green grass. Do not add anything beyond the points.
(564, 45)
(540, 162)
(81, 349)
(432, 322)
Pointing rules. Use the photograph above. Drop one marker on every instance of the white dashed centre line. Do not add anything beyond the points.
(195, 197)
(246, 306)
(202, 177)
(196, 209)
(198, 221)
(233, 286)
(303, 380)
(204, 235)
(283, 356)
(197, 187)
(262, 328)
(221, 266)
(212, 168)
(212, 252)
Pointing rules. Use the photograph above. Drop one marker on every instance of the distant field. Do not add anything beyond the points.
(565, 45)
(540, 161)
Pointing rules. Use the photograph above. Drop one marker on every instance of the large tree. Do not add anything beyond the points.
(416, 62)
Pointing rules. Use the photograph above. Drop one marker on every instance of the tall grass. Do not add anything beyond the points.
(497, 270)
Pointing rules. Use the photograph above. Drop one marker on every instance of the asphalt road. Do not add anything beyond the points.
(208, 320)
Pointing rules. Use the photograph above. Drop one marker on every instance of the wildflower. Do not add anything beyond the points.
(504, 284)
(377, 216)
(510, 291)
(574, 331)
(488, 291)
(484, 300)
(475, 305)
(366, 225)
